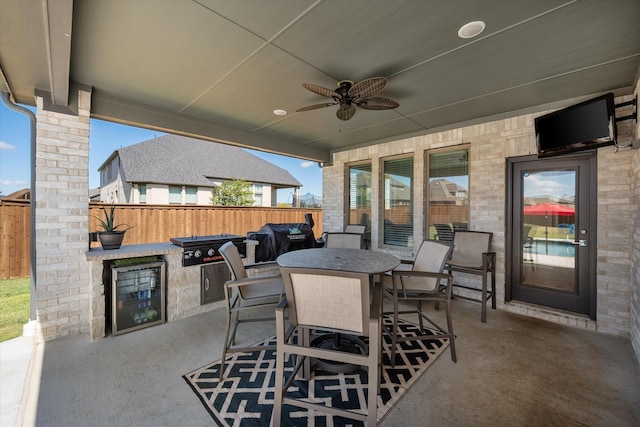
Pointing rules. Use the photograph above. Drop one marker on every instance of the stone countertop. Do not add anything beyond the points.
(147, 249)
(129, 251)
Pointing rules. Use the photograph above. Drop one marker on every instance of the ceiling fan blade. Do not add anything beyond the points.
(367, 87)
(377, 104)
(321, 90)
(316, 106)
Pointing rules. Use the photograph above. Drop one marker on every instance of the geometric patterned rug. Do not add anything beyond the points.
(245, 396)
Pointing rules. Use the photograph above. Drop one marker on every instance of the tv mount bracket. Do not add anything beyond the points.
(633, 116)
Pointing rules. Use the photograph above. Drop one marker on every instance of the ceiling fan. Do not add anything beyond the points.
(349, 95)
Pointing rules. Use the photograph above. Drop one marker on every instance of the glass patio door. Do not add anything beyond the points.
(552, 233)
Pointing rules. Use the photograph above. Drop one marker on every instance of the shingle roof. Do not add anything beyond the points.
(444, 191)
(173, 159)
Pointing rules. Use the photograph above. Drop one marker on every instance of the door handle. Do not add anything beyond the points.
(581, 242)
(206, 283)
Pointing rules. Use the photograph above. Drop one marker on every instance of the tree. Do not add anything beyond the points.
(235, 192)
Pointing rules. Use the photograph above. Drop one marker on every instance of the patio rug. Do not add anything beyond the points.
(245, 396)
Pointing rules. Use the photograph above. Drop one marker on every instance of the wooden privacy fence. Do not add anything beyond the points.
(150, 224)
(14, 241)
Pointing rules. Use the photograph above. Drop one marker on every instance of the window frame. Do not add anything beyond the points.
(174, 187)
(258, 192)
(382, 202)
(427, 184)
(347, 203)
(142, 194)
(186, 190)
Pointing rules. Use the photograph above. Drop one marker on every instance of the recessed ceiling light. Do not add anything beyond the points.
(280, 112)
(471, 29)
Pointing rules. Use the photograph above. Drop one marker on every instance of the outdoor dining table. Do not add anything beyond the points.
(341, 259)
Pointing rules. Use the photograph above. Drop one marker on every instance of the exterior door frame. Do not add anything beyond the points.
(587, 188)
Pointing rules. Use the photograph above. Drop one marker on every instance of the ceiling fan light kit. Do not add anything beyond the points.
(345, 112)
(349, 95)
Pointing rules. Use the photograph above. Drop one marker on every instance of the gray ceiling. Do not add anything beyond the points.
(217, 69)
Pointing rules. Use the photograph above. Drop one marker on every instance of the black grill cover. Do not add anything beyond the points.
(276, 239)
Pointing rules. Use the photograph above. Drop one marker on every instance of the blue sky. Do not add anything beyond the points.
(105, 137)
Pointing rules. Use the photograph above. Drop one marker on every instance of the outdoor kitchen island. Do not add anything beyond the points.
(182, 281)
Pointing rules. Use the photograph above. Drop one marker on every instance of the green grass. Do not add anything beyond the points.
(14, 307)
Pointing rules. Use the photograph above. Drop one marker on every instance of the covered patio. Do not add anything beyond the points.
(132, 63)
(513, 370)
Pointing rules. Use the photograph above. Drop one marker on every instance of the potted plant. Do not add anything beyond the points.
(110, 237)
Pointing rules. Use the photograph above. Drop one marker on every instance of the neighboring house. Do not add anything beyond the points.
(178, 170)
(445, 192)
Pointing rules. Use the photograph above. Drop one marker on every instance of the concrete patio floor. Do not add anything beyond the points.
(511, 371)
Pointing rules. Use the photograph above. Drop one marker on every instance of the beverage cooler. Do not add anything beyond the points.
(138, 297)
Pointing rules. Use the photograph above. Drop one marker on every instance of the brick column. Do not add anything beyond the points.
(62, 219)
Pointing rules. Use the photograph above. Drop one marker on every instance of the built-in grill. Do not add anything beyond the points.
(204, 249)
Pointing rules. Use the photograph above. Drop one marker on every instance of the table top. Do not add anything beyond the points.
(353, 260)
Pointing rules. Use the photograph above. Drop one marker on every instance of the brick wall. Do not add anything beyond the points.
(634, 220)
(635, 253)
(614, 240)
(61, 218)
(490, 144)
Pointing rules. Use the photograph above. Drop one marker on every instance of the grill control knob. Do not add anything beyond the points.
(211, 251)
(198, 253)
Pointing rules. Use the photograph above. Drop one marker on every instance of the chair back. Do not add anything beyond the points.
(231, 256)
(355, 228)
(432, 257)
(327, 299)
(344, 240)
(444, 232)
(469, 247)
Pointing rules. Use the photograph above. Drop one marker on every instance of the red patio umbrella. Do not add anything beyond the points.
(551, 212)
(550, 209)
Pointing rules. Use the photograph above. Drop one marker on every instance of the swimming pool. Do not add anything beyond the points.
(552, 247)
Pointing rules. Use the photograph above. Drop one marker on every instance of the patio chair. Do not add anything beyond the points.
(349, 228)
(472, 254)
(460, 226)
(424, 281)
(244, 293)
(444, 232)
(344, 240)
(528, 245)
(361, 229)
(329, 301)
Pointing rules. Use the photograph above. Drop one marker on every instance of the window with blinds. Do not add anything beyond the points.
(397, 189)
(448, 189)
(175, 195)
(143, 193)
(257, 194)
(360, 195)
(190, 195)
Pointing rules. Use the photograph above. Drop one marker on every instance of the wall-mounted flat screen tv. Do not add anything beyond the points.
(583, 126)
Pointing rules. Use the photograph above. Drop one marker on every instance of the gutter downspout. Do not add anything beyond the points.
(32, 235)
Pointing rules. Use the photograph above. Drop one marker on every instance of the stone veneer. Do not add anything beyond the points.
(62, 219)
(490, 144)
